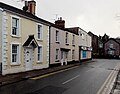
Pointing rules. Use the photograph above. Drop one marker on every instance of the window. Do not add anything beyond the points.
(111, 45)
(57, 52)
(15, 54)
(83, 36)
(39, 54)
(73, 53)
(57, 35)
(111, 52)
(39, 32)
(15, 26)
(66, 38)
(73, 41)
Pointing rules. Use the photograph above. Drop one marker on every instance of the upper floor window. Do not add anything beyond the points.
(15, 53)
(66, 38)
(73, 40)
(57, 35)
(39, 31)
(111, 45)
(39, 54)
(83, 36)
(15, 26)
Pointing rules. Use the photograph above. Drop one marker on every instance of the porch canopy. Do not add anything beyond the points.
(30, 42)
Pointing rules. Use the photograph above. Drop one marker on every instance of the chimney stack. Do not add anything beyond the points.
(60, 23)
(30, 6)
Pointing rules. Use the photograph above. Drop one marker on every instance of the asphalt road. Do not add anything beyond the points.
(84, 79)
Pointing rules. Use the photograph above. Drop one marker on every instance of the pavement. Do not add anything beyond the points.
(116, 86)
(109, 85)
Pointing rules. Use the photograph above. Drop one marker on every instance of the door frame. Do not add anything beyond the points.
(29, 65)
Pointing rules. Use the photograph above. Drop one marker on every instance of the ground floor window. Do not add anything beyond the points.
(15, 53)
(57, 54)
(39, 54)
(73, 54)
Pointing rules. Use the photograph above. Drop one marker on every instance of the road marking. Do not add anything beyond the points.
(70, 79)
(43, 76)
(106, 87)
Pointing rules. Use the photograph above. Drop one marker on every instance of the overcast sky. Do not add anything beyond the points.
(97, 16)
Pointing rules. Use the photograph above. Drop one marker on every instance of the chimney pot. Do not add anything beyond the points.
(60, 23)
(60, 18)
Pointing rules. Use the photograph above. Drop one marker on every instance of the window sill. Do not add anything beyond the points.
(58, 42)
(67, 43)
(40, 40)
(57, 61)
(15, 36)
(39, 62)
(73, 44)
(15, 64)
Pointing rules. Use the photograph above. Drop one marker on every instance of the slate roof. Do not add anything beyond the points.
(29, 15)
(116, 40)
(19, 11)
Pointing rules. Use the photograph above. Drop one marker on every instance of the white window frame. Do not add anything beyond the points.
(41, 55)
(57, 54)
(18, 54)
(18, 30)
(41, 31)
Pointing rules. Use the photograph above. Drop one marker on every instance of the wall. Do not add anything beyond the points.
(27, 27)
(116, 46)
(61, 44)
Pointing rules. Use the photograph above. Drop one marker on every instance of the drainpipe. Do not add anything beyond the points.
(49, 43)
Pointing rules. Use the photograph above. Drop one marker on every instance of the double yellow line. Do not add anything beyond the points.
(42, 76)
(107, 85)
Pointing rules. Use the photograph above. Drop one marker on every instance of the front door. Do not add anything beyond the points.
(28, 58)
(64, 57)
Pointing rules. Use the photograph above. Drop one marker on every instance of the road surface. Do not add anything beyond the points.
(84, 79)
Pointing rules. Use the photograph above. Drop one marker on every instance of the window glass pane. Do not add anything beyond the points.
(57, 35)
(39, 31)
(39, 53)
(15, 24)
(14, 53)
(57, 50)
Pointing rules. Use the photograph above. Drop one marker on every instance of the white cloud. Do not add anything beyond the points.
(98, 16)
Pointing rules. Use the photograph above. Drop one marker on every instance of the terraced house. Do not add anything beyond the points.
(63, 44)
(28, 42)
(68, 45)
(24, 43)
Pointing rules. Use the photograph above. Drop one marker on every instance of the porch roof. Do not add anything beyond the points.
(30, 41)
